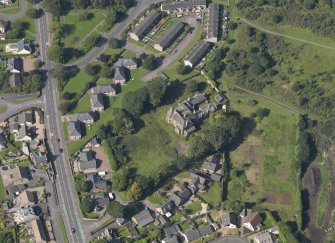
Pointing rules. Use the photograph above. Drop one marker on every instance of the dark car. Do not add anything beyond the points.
(73, 230)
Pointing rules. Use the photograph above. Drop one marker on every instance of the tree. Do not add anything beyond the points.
(120, 180)
(156, 89)
(85, 16)
(106, 72)
(64, 107)
(192, 86)
(56, 29)
(81, 186)
(17, 30)
(86, 205)
(182, 69)
(91, 69)
(116, 209)
(135, 192)
(262, 112)
(122, 123)
(60, 73)
(53, 7)
(110, 19)
(90, 42)
(134, 102)
(56, 53)
(6, 237)
(32, 13)
(37, 64)
(114, 43)
(149, 62)
(199, 147)
(67, 95)
(104, 58)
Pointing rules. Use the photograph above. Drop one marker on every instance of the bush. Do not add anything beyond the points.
(85, 16)
(114, 43)
(90, 42)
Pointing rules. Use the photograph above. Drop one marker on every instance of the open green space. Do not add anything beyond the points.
(193, 208)
(2, 191)
(84, 104)
(213, 195)
(9, 234)
(77, 83)
(11, 9)
(156, 199)
(78, 30)
(62, 228)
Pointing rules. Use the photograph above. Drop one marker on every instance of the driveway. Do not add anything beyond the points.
(20, 14)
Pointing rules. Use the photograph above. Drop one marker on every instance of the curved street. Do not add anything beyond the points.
(23, 9)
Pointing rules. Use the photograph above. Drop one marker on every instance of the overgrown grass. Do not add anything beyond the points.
(2, 191)
(62, 228)
(156, 198)
(193, 208)
(213, 195)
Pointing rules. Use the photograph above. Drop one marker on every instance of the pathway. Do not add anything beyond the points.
(283, 35)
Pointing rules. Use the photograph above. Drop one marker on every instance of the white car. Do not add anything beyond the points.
(111, 196)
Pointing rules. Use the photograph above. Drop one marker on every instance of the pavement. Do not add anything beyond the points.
(18, 96)
(23, 9)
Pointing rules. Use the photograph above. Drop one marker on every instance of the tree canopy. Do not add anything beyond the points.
(156, 89)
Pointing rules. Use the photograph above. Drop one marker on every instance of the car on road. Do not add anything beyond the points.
(58, 140)
(73, 230)
(60, 150)
(174, 52)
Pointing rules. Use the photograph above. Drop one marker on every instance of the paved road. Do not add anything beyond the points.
(115, 32)
(13, 108)
(18, 96)
(180, 47)
(230, 239)
(283, 35)
(20, 14)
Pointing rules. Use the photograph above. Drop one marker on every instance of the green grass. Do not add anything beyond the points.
(213, 195)
(271, 222)
(156, 199)
(14, 9)
(12, 231)
(2, 191)
(3, 108)
(62, 228)
(108, 151)
(77, 83)
(183, 175)
(84, 104)
(80, 29)
(193, 208)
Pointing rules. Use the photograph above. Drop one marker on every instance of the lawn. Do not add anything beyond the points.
(77, 83)
(193, 208)
(84, 104)
(2, 191)
(78, 30)
(62, 228)
(13, 9)
(258, 163)
(156, 199)
(213, 195)
(3, 108)
(183, 175)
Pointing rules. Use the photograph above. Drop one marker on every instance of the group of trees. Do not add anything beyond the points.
(31, 82)
(215, 66)
(17, 29)
(149, 62)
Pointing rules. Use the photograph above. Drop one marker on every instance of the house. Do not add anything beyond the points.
(96, 182)
(14, 80)
(23, 214)
(97, 102)
(95, 142)
(84, 117)
(197, 182)
(6, 2)
(3, 29)
(183, 6)
(119, 76)
(38, 158)
(101, 201)
(205, 230)
(171, 231)
(22, 47)
(179, 198)
(74, 130)
(188, 113)
(25, 198)
(15, 64)
(213, 22)
(265, 236)
(169, 37)
(129, 63)
(145, 26)
(87, 161)
(106, 89)
(191, 235)
(18, 175)
(210, 164)
(22, 136)
(14, 190)
(26, 118)
(166, 209)
(216, 177)
(14, 127)
(197, 53)
(3, 141)
(252, 221)
(229, 220)
(220, 97)
(143, 218)
(38, 231)
(173, 239)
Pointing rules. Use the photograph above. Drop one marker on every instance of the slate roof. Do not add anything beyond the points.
(97, 101)
(87, 161)
(213, 20)
(173, 239)
(205, 230)
(143, 218)
(74, 128)
(183, 5)
(13, 126)
(101, 200)
(14, 63)
(254, 219)
(14, 80)
(179, 198)
(105, 88)
(172, 230)
(25, 117)
(125, 62)
(38, 158)
(146, 23)
(3, 139)
(119, 73)
(219, 97)
(170, 35)
(192, 234)
(96, 181)
(23, 45)
(229, 218)
(82, 116)
(198, 52)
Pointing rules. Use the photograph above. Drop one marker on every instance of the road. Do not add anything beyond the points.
(283, 35)
(180, 47)
(23, 9)
(14, 108)
(115, 32)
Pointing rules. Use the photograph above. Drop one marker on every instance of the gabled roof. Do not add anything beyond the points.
(24, 117)
(97, 101)
(254, 219)
(74, 128)
(192, 234)
(143, 218)
(182, 5)
(205, 230)
(170, 35)
(119, 73)
(146, 23)
(198, 52)
(229, 218)
(39, 158)
(82, 116)
(87, 161)
(125, 62)
(172, 230)
(14, 63)
(105, 88)
(213, 20)
(14, 80)
(23, 45)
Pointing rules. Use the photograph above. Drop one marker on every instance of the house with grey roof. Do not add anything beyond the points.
(101, 201)
(14, 127)
(143, 218)
(179, 198)
(205, 230)
(145, 26)
(213, 22)
(172, 239)
(74, 130)
(14, 80)
(129, 63)
(26, 118)
(210, 164)
(38, 158)
(119, 75)
(3, 141)
(166, 209)
(183, 6)
(106, 89)
(87, 161)
(172, 230)
(252, 221)
(191, 235)
(84, 117)
(197, 53)
(15, 64)
(169, 37)
(197, 182)
(229, 220)
(22, 47)
(22, 135)
(97, 102)
(3, 29)
(96, 182)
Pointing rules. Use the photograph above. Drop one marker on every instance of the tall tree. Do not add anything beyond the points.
(116, 209)
(156, 89)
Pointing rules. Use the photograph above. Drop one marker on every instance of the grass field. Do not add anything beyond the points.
(193, 208)
(62, 228)
(78, 30)
(156, 199)
(263, 156)
(84, 104)
(2, 191)
(213, 195)
(13, 9)
(77, 83)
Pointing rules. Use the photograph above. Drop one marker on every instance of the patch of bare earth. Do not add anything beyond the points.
(182, 147)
